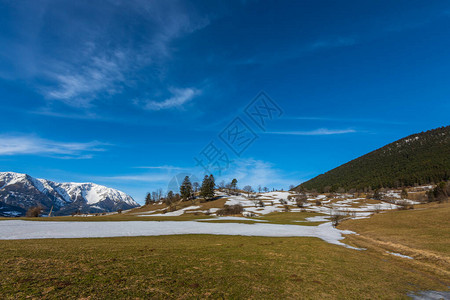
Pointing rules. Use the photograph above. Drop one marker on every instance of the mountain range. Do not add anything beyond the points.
(19, 192)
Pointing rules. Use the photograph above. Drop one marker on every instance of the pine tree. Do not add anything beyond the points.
(148, 199)
(207, 188)
(204, 188)
(212, 185)
(234, 184)
(186, 188)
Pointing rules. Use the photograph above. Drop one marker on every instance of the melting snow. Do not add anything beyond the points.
(19, 229)
(399, 255)
(232, 218)
(170, 214)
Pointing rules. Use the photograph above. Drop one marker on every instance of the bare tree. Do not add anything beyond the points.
(34, 212)
(337, 217)
(196, 186)
(221, 185)
(301, 200)
(248, 189)
(228, 188)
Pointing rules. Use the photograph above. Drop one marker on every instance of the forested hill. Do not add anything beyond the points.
(420, 158)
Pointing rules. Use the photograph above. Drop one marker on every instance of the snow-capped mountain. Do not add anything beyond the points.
(18, 192)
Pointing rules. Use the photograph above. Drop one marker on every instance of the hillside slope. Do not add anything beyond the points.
(18, 192)
(420, 158)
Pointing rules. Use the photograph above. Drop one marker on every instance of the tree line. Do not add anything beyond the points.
(418, 159)
(187, 191)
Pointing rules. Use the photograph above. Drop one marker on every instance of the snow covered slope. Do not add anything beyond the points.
(18, 192)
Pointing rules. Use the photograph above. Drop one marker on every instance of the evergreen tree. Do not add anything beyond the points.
(212, 185)
(234, 184)
(148, 199)
(207, 188)
(422, 158)
(186, 188)
(204, 187)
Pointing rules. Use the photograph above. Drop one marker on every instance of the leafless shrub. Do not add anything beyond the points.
(172, 208)
(318, 203)
(249, 214)
(301, 200)
(337, 218)
(403, 205)
(258, 202)
(34, 212)
(286, 208)
(230, 210)
(377, 208)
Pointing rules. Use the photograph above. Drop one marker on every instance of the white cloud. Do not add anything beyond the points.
(349, 120)
(165, 167)
(139, 178)
(256, 172)
(101, 47)
(320, 131)
(77, 86)
(22, 145)
(178, 99)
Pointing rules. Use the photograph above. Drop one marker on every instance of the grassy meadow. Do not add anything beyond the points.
(210, 266)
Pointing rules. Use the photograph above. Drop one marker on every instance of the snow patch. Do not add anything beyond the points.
(399, 255)
(19, 229)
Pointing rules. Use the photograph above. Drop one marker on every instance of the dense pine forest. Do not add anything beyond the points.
(418, 159)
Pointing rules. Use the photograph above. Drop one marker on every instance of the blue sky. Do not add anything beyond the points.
(129, 93)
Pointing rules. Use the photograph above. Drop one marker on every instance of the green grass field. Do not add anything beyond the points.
(232, 267)
(192, 266)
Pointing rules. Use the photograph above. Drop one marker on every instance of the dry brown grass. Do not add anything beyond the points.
(423, 233)
(204, 266)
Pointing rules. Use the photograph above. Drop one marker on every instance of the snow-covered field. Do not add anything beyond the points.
(340, 204)
(257, 205)
(260, 204)
(18, 229)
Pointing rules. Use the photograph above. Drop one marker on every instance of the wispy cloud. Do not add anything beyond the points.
(138, 178)
(178, 99)
(249, 171)
(165, 167)
(77, 86)
(21, 145)
(320, 131)
(349, 120)
(101, 48)
(331, 42)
